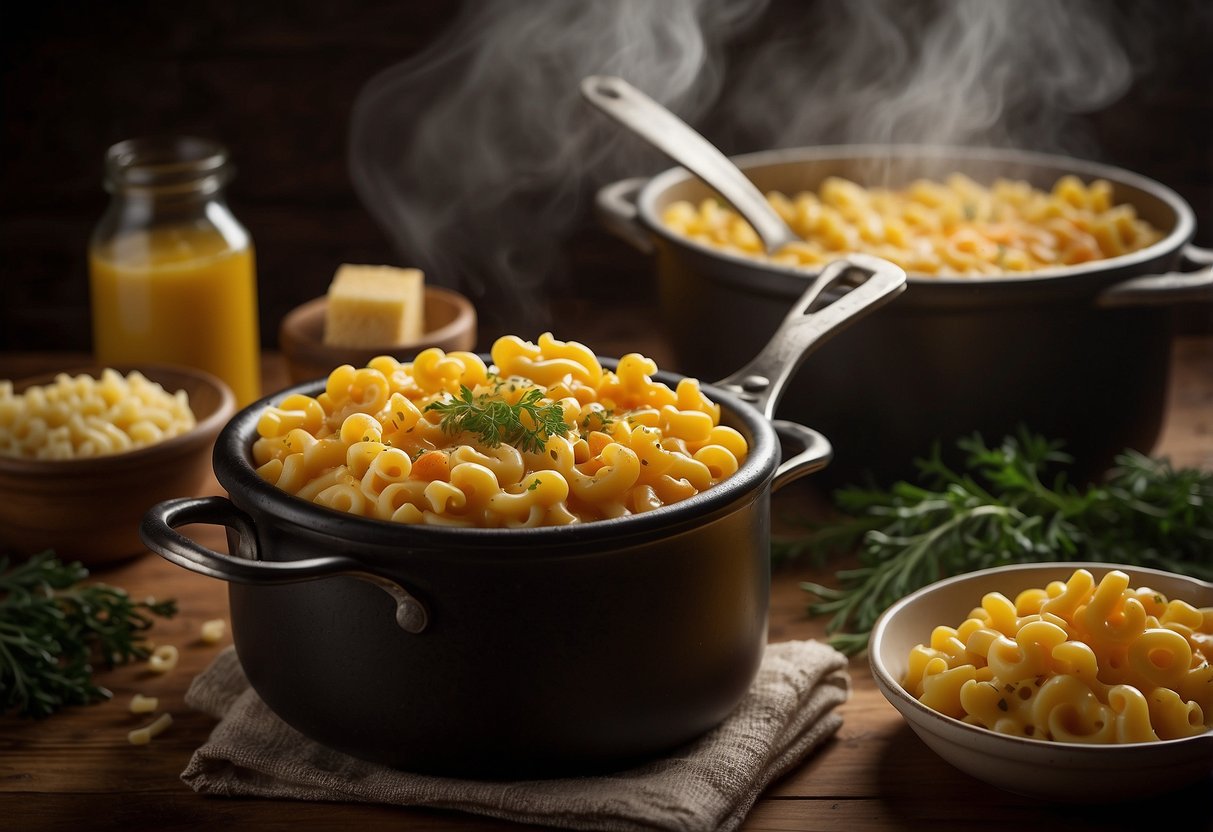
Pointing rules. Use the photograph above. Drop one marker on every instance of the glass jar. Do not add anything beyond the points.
(171, 271)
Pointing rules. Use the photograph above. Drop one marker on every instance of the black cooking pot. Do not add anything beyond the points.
(515, 652)
(1080, 353)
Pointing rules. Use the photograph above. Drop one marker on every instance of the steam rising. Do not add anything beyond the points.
(478, 156)
(969, 72)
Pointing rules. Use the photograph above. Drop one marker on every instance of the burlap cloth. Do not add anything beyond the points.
(709, 784)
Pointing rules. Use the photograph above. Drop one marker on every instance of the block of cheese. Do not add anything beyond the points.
(375, 306)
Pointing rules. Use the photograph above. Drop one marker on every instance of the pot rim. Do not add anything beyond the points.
(235, 472)
(1178, 236)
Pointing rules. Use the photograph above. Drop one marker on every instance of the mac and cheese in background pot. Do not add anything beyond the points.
(954, 228)
(1074, 682)
(534, 607)
(1050, 336)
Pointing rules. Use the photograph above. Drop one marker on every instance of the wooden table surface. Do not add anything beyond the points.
(77, 770)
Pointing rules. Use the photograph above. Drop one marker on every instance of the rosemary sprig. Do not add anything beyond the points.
(495, 421)
(53, 628)
(1007, 506)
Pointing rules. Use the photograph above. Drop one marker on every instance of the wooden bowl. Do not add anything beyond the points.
(90, 509)
(450, 325)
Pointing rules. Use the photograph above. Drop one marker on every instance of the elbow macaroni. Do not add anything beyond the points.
(1075, 661)
(369, 444)
(954, 228)
(141, 704)
(212, 631)
(82, 416)
(163, 659)
(144, 735)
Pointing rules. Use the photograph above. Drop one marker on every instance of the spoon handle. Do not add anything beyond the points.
(678, 140)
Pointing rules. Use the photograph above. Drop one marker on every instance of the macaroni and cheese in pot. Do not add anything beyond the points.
(939, 341)
(542, 435)
(675, 596)
(953, 227)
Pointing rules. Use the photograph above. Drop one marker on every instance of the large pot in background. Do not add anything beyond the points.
(1080, 354)
(513, 652)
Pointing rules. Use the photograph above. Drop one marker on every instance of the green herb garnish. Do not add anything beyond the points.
(495, 420)
(1007, 507)
(53, 627)
(598, 418)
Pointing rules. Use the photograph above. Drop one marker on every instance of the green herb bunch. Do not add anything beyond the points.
(1009, 505)
(53, 628)
(496, 421)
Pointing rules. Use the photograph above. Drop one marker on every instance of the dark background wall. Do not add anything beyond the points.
(278, 88)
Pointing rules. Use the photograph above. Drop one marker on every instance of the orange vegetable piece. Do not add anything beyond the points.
(431, 466)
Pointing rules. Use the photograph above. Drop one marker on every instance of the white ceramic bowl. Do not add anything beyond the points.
(1056, 771)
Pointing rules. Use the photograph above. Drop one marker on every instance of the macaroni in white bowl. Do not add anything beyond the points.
(1074, 661)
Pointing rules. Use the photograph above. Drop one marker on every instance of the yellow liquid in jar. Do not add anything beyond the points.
(178, 296)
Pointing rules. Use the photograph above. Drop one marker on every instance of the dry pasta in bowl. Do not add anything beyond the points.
(955, 227)
(82, 415)
(84, 451)
(540, 435)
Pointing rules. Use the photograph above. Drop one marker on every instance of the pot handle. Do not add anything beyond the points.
(1161, 289)
(615, 205)
(159, 533)
(873, 282)
(816, 454)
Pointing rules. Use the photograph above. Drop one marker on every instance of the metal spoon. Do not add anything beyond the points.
(678, 140)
